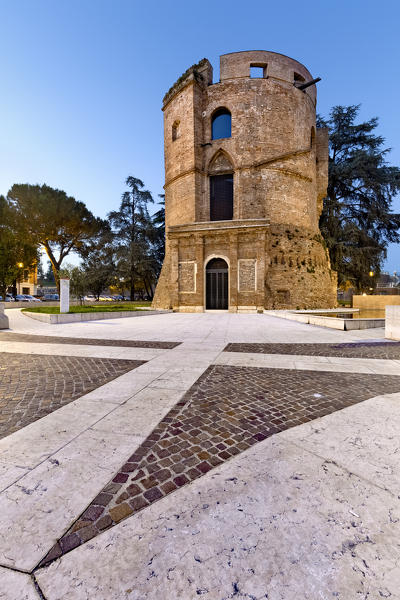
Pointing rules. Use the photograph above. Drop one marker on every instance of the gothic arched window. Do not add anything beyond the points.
(220, 173)
(221, 124)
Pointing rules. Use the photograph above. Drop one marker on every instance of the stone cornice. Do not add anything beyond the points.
(215, 227)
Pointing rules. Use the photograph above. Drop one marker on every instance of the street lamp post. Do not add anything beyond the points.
(371, 274)
(20, 265)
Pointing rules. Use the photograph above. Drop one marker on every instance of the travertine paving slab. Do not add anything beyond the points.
(9, 474)
(159, 397)
(29, 446)
(138, 414)
(42, 504)
(120, 391)
(139, 354)
(315, 363)
(353, 439)
(177, 379)
(342, 367)
(16, 586)
(276, 522)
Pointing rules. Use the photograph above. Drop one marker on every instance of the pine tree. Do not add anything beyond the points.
(357, 221)
(131, 225)
(158, 240)
(53, 220)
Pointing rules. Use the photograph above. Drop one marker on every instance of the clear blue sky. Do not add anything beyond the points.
(82, 80)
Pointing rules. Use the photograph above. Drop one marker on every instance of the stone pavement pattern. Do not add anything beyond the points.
(373, 349)
(50, 339)
(277, 522)
(309, 512)
(225, 412)
(38, 385)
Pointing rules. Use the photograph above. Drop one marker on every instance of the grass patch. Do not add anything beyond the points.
(55, 310)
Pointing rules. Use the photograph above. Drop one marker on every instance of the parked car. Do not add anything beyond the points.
(118, 298)
(8, 298)
(50, 298)
(89, 298)
(21, 298)
(104, 298)
(31, 298)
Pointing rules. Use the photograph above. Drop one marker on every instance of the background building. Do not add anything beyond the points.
(246, 171)
(28, 282)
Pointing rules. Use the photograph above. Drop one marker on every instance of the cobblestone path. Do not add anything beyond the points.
(225, 412)
(32, 386)
(386, 350)
(50, 339)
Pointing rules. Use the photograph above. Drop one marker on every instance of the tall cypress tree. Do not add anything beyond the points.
(357, 221)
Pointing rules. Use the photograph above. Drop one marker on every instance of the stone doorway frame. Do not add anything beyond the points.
(206, 261)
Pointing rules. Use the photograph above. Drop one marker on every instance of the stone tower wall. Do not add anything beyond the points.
(279, 164)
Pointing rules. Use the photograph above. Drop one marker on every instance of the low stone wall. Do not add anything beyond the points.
(8, 305)
(333, 323)
(373, 301)
(94, 316)
(392, 323)
(3, 319)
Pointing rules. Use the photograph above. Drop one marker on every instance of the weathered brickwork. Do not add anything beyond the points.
(279, 163)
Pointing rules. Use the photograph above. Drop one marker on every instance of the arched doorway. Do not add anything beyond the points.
(217, 284)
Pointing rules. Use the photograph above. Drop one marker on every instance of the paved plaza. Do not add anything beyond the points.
(198, 455)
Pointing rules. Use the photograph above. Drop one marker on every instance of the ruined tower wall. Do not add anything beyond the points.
(279, 160)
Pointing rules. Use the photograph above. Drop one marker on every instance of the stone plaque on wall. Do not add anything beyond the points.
(247, 281)
(187, 277)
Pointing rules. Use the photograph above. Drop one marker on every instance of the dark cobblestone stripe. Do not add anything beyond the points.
(387, 350)
(32, 385)
(49, 339)
(226, 411)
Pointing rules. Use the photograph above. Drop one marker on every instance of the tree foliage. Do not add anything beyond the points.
(16, 252)
(357, 221)
(132, 228)
(78, 284)
(99, 264)
(57, 222)
(159, 235)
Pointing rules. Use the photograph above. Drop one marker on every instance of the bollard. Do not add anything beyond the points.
(64, 295)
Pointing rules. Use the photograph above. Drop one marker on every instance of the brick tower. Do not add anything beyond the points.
(245, 174)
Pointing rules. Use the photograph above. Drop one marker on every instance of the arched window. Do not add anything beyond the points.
(220, 173)
(175, 130)
(221, 124)
(221, 197)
